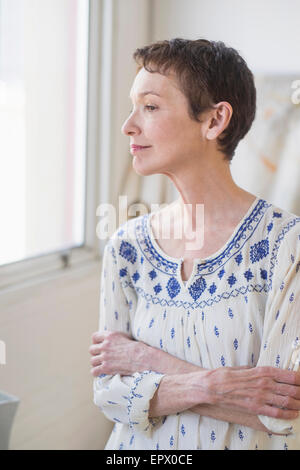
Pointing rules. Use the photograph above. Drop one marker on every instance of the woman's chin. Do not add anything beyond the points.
(142, 168)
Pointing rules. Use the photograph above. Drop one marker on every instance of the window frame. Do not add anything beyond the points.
(32, 269)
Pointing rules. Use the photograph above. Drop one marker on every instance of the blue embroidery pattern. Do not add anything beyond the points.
(128, 251)
(221, 273)
(157, 288)
(238, 240)
(248, 275)
(173, 287)
(263, 273)
(277, 245)
(259, 250)
(197, 288)
(212, 288)
(201, 304)
(123, 272)
(152, 274)
(134, 395)
(135, 276)
(144, 241)
(239, 258)
(231, 280)
(230, 314)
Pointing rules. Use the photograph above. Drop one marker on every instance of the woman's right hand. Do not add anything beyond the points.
(265, 391)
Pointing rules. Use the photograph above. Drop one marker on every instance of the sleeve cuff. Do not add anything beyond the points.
(283, 426)
(280, 426)
(143, 389)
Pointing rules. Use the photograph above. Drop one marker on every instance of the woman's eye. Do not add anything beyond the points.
(149, 106)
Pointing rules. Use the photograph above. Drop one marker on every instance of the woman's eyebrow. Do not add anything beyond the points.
(143, 93)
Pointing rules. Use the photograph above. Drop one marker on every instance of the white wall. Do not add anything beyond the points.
(47, 332)
(265, 32)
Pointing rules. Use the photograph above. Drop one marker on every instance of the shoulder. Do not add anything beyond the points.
(276, 227)
(123, 241)
(285, 241)
(287, 227)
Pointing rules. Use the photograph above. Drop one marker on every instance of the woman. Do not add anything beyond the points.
(198, 346)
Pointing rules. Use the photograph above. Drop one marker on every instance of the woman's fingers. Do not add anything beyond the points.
(97, 337)
(96, 371)
(275, 412)
(94, 349)
(279, 375)
(258, 404)
(286, 389)
(282, 401)
(96, 361)
(262, 390)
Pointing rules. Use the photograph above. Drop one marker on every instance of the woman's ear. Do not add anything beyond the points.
(219, 119)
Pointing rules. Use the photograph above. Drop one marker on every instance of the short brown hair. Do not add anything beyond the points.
(207, 72)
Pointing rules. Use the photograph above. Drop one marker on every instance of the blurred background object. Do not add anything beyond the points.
(268, 162)
(8, 408)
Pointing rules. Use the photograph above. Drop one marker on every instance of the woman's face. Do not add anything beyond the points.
(160, 120)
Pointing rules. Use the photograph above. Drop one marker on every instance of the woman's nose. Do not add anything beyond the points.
(129, 128)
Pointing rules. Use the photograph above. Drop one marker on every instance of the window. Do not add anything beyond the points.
(43, 126)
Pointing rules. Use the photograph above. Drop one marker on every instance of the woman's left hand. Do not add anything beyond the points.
(115, 352)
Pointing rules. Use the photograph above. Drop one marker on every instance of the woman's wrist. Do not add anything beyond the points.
(173, 395)
(150, 358)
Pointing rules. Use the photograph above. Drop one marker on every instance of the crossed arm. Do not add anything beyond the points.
(236, 395)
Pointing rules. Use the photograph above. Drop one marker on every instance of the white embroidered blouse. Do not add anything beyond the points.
(240, 306)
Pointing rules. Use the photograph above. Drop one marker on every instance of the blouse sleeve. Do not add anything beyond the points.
(281, 333)
(122, 399)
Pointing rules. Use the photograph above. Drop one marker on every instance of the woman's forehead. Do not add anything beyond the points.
(161, 85)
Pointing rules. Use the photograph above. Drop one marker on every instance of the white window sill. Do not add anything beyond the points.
(33, 271)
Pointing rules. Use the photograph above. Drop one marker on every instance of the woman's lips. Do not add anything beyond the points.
(137, 148)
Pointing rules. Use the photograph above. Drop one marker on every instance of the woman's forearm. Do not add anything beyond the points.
(174, 393)
(232, 394)
(161, 361)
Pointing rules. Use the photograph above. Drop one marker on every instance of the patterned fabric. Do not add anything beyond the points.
(240, 306)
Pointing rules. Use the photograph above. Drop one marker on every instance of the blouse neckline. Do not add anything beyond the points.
(172, 259)
(201, 266)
